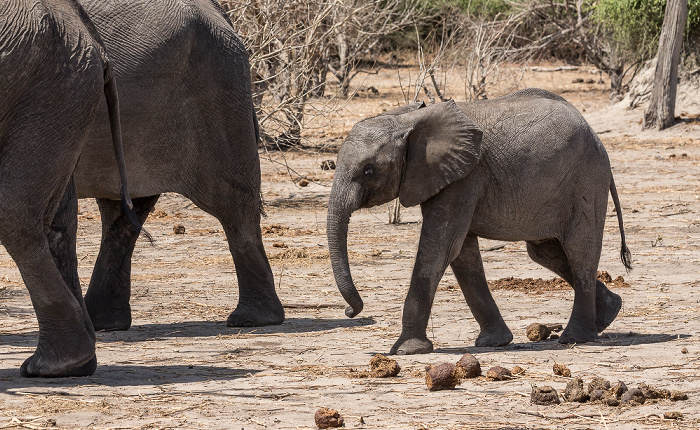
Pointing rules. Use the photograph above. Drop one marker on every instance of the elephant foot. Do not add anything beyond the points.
(492, 338)
(109, 311)
(579, 334)
(257, 314)
(607, 306)
(111, 319)
(38, 365)
(414, 345)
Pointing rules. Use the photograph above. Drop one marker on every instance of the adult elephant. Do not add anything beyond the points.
(190, 128)
(53, 73)
(524, 167)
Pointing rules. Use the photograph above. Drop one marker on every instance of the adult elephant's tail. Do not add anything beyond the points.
(115, 124)
(625, 254)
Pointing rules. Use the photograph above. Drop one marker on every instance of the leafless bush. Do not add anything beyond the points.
(478, 49)
(359, 26)
(286, 40)
(293, 44)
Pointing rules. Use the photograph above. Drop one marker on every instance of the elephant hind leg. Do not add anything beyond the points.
(550, 254)
(469, 271)
(107, 297)
(238, 210)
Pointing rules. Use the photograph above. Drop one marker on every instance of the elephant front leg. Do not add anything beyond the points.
(107, 297)
(469, 271)
(66, 340)
(441, 239)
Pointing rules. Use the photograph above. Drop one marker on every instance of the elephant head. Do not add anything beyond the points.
(412, 153)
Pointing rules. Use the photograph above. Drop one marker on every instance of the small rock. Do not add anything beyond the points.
(544, 396)
(678, 395)
(468, 367)
(619, 389)
(598, 384)
(561, 370)
(633, 396)
(179, 229)
(383, 367)
(673, 415)
(303, 183)
(498, 373)
(328, 165)
(575, 391)
(279, 245)
(684, 350)
(441, 377)
(537, 332)
(517, 370)
(328, 418)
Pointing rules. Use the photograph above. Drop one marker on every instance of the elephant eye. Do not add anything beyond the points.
(369, 170)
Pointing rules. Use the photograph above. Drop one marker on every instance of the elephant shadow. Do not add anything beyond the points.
(605, 339)
(120, 375)
(143, 332)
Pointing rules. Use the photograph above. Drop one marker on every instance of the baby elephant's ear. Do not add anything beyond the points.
(443, 145)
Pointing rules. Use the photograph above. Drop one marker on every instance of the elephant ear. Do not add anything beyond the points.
(442, 146)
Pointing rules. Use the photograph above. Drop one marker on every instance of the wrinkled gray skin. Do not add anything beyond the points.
(189, 127)
(524, 167)
(53, 75)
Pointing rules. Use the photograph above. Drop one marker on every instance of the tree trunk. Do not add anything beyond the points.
(660, 113)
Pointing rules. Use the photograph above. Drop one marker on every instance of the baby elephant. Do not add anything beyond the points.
(521, 167)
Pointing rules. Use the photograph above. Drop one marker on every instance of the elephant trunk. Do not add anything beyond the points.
(340, 206)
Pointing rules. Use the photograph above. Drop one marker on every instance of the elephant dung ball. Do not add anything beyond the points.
(328, 418)
(678, 395)
(651, 393)
(468, 367)
(498, 373)
(598, 383)
(179, 229)
(441, 377)
(561, 370)
(633, 396)
(596, 395)
(544, 396)
(537, 332)
(575, 391)
(383, 367)
(303, 183)
(619, 389)
(673, 415)
(517, 370)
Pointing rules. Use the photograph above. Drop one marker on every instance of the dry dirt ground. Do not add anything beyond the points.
(179, 366)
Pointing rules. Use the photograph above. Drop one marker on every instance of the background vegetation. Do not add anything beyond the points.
(296, 46)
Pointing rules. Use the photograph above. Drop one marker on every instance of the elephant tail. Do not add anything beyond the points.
(625, 254)
(115, 123)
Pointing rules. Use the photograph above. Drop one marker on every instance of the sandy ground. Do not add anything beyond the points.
(179, 366)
